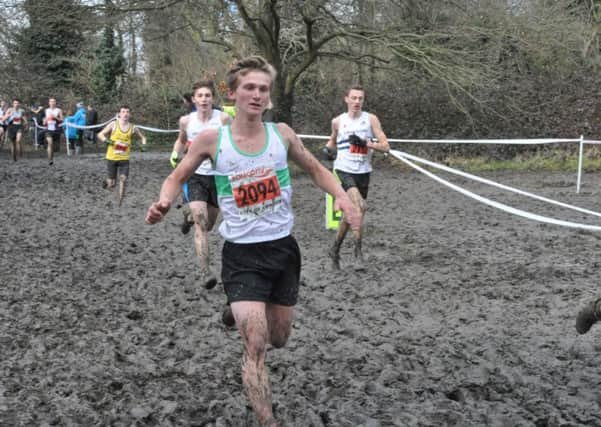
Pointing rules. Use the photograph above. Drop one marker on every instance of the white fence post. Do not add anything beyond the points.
(67, 138)
(580, 151)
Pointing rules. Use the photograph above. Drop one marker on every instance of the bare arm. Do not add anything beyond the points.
(382, 144)
(7, 115)
(138, 132)
(320, 175)
(203, 147)
(104, 133)
(331, 144)
(182, 137)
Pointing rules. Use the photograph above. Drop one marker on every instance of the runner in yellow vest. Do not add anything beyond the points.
(118, 137)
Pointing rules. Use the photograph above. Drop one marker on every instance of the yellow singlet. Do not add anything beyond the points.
(120, 149)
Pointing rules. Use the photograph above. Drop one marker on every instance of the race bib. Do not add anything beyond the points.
(355, 149)
(17, 121)
(120, 147)
(256, 191)
(51, 125)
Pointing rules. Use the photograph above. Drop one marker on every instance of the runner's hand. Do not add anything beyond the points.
(328, 154)
(355, 140)
(157, 211)
(351, 213)
(174, 159)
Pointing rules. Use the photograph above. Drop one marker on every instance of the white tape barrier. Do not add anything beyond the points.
(496, 184)
(404, 157)
(37, 125)
(533, 141)
(150, 129)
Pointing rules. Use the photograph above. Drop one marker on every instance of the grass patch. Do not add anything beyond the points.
(559, 162)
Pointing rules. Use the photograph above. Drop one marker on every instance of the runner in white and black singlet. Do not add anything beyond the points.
(200, 192)
(53, 118)
(3, 109)
(352, 138)
(261, 259)
(16, 124)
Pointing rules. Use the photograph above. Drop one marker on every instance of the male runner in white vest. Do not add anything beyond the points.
(200, 191)
(52, 119)
(352, 137)
(14, 118)
(261, 259)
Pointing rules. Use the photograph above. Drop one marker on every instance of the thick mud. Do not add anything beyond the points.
(464, 317)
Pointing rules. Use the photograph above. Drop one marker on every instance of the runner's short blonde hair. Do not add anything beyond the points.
(243, 66)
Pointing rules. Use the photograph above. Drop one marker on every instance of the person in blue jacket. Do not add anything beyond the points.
(73, 135)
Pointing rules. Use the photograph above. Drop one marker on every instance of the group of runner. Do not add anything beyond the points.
(239, 166)
(236, 163)
(52, 124)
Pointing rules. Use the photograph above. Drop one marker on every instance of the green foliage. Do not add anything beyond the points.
(109, 67)
(48, 46)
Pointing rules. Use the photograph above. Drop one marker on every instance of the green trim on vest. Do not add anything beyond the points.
(219, 135)
(281, 138)
(244, 153)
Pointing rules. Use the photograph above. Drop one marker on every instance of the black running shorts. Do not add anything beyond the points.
(113, 165)
(13, 130)
(266, 271)
(55, 135)
(359, 180)
(201, 188)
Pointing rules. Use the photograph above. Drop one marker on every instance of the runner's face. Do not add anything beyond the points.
(253, 92)
(52, 102)
(124, 113)
(15, 104)
(354, 100)
(203, 99)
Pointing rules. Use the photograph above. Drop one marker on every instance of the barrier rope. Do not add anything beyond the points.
(73, 125)
(404, 157)
(533, 141)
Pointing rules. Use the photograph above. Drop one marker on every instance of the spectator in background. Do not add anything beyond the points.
(91, 120)
(79, 120)
(37, 118)
(187, 99)
(70, 132)
(268, 114)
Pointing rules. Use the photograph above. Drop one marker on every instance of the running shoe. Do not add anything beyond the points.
(335, 257)
(188, 221)
(227, 317)
(588, 316)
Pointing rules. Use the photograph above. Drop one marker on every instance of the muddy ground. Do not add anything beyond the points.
(464, 317)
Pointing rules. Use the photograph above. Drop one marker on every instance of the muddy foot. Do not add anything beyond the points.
(335, 257)
(208, 278)
(227, 317)
(588, 316)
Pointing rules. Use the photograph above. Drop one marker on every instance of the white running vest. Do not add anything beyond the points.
(52, 118)
(254, 190)
(16, 118)
(194, 127)
(350, 158)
